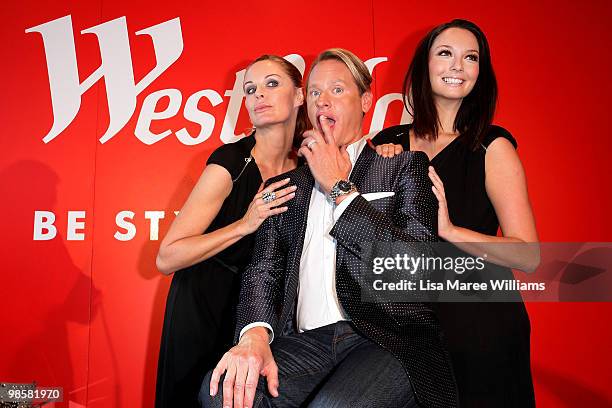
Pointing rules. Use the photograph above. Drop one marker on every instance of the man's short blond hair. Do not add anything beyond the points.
(358, 69)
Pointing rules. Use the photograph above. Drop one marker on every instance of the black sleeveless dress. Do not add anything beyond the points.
(488, 342)
(200, 309)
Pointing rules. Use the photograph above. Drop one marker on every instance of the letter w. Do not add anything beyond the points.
(116, 68)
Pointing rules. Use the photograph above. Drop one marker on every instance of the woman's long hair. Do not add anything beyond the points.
(302, 123)
(477, 109)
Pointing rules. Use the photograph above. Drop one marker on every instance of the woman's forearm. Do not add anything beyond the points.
(505, 251)
(191, 250)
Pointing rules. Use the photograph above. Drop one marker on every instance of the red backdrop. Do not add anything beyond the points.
(85, 311)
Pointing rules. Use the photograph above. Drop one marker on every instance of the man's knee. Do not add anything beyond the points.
(356, 399)
(206, 400)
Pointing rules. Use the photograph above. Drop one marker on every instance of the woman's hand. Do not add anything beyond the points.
(259, 210)
(445, 226)
(389, 149)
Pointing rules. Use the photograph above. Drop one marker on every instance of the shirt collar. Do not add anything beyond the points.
(355, 148)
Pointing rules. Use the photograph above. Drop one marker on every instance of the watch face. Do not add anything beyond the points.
(344, 185)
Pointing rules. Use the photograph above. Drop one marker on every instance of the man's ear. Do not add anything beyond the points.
(366, 101)
(299, 97)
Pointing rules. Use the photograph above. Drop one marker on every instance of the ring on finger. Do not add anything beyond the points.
(309, 145)
(268, 197)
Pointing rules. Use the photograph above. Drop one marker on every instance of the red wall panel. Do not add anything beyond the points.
(87, 314)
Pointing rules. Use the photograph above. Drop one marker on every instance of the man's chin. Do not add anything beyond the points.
(343, 138)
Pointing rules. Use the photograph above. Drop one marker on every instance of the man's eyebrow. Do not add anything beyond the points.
(332, 81)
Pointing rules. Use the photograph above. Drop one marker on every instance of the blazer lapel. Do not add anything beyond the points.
(360, 170)
(359, 176)
(297, 219)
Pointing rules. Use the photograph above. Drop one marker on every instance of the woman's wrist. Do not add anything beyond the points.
(449, 233)
(242, 228)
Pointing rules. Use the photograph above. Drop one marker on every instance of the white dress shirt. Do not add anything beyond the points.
(317, 303)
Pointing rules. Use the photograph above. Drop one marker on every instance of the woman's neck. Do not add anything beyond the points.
(447, 113)
(273, 148)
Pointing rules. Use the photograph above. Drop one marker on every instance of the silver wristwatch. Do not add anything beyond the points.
(342, 187)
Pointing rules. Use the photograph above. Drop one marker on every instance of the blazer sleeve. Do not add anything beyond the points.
(262, 282)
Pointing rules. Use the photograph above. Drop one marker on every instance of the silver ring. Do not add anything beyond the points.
(309, 145)
(268, 197)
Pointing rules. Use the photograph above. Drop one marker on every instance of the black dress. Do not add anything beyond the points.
(200, 309)
(488, 342)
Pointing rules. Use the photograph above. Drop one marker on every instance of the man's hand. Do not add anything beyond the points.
(244, 363)
(328, 162)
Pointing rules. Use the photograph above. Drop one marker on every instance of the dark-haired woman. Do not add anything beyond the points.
(211, 240)
(451, 91)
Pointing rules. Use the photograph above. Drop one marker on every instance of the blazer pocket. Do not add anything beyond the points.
(376, 196)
